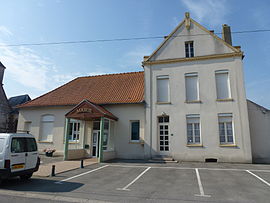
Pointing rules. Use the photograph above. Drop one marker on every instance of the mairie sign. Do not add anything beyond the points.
(84, 110)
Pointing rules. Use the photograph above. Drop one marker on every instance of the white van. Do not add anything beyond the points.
(18, 155)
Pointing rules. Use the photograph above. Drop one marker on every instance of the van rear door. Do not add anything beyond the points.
(31, 154)
(17, 154)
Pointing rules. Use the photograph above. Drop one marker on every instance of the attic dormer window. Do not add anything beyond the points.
(189, 49)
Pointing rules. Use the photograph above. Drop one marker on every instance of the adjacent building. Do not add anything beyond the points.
(4, 105)
(189, 103)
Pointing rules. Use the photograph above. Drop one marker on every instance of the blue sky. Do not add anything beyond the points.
(35, 70)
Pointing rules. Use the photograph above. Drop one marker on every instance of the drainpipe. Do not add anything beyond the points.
(100, 157)
(66, 139)
(151, 116)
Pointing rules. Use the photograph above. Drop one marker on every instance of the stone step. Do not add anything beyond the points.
(162, 161)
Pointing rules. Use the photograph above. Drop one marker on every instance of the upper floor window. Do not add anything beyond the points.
(189, 49)
(47, 124)
(163, 94)
(223, 84)
(191, 81)
(225, 128)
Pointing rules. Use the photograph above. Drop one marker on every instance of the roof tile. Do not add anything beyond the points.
(102, 89)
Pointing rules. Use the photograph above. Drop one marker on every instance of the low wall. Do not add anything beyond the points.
(76, 154)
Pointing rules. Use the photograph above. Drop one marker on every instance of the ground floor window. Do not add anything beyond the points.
(74, 130)
(135, 131)
(47, 124)
(225, 129)
(193, 129)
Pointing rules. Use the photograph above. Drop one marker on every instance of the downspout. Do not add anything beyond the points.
(151, 101)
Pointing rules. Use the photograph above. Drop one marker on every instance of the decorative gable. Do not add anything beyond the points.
(205, 42)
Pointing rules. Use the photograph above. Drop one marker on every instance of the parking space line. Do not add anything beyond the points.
(264, 181)
(128, 185)
(189, 168)
(200, 184)
(96, 169)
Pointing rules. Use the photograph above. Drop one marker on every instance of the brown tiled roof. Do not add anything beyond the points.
(102, 89)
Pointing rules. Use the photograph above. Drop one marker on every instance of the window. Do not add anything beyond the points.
(74, 130)
(163, 89)
(2, 142)
(47, 123)
(223, 84)
(135, 130)
(189, 49)
(106, 133)
(225, 129)
(31, 144)
(191, 81)
(193, 129)
(18, 145)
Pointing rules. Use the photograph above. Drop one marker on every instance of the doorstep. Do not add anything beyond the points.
(62, 166)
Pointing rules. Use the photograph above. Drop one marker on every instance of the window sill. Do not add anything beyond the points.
(73, 142)
(136, 142)
(48, 142)
(194, 145)
(163, 103)
(194, 102)
(228, 145)
(225, 100)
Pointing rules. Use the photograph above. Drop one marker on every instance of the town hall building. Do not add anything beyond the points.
(188, 103)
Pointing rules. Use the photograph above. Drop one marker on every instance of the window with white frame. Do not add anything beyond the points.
(135, 131)
(193, 129)
(223, 84)
(106, 134)
(189, 49)
(192, 86)
(47, 124)
(163, 91)
(225, 128)
(74, 130)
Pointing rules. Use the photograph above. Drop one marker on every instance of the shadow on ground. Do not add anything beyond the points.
(38, 185)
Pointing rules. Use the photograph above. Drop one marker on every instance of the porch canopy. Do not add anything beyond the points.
(87, 110)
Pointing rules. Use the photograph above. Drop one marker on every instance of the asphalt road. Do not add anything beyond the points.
(131, 182)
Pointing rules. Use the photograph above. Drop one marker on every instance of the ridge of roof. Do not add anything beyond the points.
(110, 74)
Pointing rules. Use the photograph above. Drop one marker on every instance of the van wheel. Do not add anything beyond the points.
(26, 177)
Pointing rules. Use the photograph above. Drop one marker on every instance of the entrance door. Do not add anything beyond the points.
(95, 142)
(163, 134)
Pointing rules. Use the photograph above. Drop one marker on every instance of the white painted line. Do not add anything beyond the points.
(126, 187)
(200, 185)
(96, 169)
(189, 168)
(264, 181)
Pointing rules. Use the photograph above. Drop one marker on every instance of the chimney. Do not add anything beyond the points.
(226, 34)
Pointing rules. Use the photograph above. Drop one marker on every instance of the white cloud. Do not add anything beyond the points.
(5, 31)
(211, 12)
(28, 72)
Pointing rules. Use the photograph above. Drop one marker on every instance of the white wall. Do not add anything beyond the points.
(208, 110)
(124, 148)
(259, 123)
(34, 116)
(204, 44)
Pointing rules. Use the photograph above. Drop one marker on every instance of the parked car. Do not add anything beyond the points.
(18, 155)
